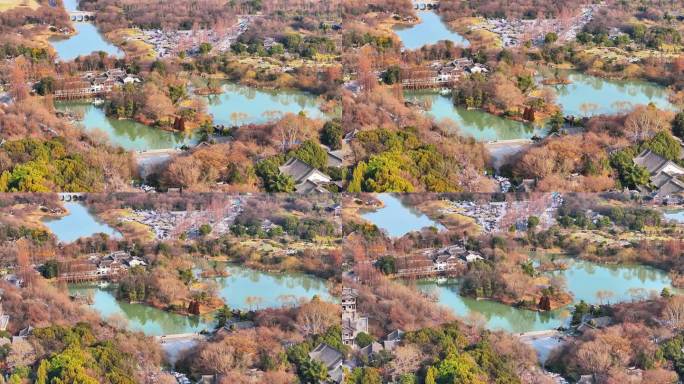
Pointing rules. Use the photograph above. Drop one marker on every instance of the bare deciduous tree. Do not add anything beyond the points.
(645, 121)
(316, 316)
(594, 357)
(673, 312)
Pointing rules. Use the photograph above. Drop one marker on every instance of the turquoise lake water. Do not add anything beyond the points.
(273, 290)
(591, 95)
(240, 105)
(480, 125)
(676, 216)
(77, 223)
(397, 219)
(584, 280)
(126, 133)
(86, 41)
(430, 30)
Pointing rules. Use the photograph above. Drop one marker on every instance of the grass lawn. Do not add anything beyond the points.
(442, 211)
(130, 229)
(131, 41)
(6, 5)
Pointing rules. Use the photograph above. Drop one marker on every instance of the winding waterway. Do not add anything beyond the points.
(246, 288)
(588, 95)
(240, 105)
(482, 126)
(126, 133)
(138, 317)
(77, 223)
(243, 289)
(86, 40)
(429, 30)
(397, 219)
(237, 105)
(591, 282)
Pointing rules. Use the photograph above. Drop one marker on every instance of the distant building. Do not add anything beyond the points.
(332, 359)
(236, 325)
(91, 85)
(371, 349)
(389, 344)
(307, 178)
(477, 68)
(352, 322)
(335, 158)
(26, 332)
(470, 256)
(136, 262)
(99, 267)
(665, 174)
(435, 262)
(595, 323)
(4, 318)
(393, 339)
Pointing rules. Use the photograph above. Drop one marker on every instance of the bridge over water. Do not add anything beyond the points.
(71, 196)
(425, 4)
(81, 16)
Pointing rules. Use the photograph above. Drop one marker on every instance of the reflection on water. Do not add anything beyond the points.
(77, 223)
(248, 288)
(236, 106)
(239, 105)
(139, 317)
(620, 282)
(243, 289)
(586, 95)
(496, 315)
(591, 95)
(86, 41)
(126, 133)
(397, 219)
(480, 125)
(593, 283)
(430, 30)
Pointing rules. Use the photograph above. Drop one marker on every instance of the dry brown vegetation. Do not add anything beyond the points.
(202, 14)
(391, 305)
(555, 160)
(635, 340)
(43, 305)
(44, 15)
(236, 353)
(529, 9)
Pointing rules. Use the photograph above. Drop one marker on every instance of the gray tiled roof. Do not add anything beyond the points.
(335, 158)
(371, 348)
(395, 335)
(349, 293)
(327, 355)
(661, 180)
(670, 185)
(308, 186)
(300, 173)
(650, 160)
(296, 169)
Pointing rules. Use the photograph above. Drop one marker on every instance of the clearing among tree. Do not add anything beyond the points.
(6, 5)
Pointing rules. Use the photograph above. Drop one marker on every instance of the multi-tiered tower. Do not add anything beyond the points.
(352, 322)
(4, 319)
